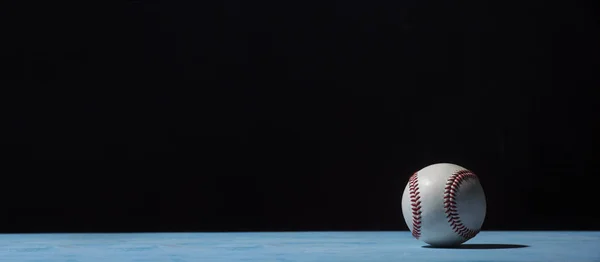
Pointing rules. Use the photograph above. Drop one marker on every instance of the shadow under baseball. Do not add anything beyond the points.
(481, 246)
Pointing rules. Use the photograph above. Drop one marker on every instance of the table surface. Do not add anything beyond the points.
(297, 246)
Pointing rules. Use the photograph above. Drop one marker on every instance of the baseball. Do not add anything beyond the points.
(444, 205)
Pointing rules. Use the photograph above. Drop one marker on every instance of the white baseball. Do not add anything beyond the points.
(444, 205)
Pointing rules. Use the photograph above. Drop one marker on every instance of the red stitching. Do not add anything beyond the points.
(415, 202)
(452, 185)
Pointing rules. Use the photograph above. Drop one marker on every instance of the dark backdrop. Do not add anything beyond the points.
(291, 115)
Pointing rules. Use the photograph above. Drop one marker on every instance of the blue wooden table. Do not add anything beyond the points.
(304, 246)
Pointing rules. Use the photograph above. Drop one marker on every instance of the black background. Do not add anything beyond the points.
(291, 115)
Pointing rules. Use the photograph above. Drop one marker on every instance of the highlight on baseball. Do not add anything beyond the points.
(444, 205)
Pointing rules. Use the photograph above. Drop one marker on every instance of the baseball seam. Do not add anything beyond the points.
(452, 186)
(415, 202)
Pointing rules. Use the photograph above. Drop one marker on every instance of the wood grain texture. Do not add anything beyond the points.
(297, 246)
